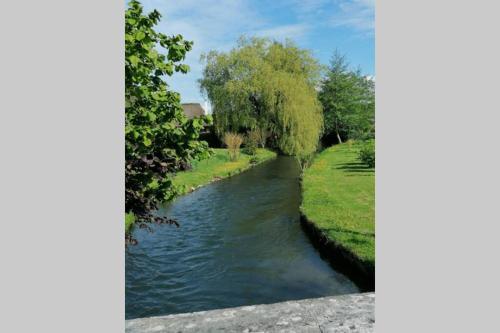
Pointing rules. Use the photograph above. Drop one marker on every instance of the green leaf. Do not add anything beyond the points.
(151, 116)
(140, 35)
(183, 68)
(134, 60)
(146, 141)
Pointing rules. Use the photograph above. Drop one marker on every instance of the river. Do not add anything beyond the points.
(239, 243)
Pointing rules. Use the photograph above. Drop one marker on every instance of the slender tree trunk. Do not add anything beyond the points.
(337, 130)
(338, 137)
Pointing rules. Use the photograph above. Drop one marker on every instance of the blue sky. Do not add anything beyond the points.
(318, 25)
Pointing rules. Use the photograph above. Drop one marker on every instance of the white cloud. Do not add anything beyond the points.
(292, 31)
(311, 6)
(356, 14)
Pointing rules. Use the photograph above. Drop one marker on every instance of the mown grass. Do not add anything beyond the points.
(339, 198)
(217, 167)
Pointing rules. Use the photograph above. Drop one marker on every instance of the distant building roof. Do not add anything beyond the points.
(192, 110)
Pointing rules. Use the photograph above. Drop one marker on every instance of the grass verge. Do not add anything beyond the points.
(339, 199)
(218, 167)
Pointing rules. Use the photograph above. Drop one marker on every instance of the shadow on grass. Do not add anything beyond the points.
(355, 167)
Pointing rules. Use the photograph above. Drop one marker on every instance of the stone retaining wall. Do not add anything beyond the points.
(347, 313)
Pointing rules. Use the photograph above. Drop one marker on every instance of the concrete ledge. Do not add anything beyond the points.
(347, 313)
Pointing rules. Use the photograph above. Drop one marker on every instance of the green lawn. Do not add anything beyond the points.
(217, 167)
(339, 198)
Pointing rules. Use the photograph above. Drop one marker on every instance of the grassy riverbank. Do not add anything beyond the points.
(339, 198)
(215, 168)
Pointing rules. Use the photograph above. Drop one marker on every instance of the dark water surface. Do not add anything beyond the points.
(240, 243)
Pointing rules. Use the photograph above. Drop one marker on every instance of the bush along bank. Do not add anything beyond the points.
(338, 211)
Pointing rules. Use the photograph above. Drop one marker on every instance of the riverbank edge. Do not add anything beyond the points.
(352, 312)
(130, 217)
(231, 174)
(360, 271)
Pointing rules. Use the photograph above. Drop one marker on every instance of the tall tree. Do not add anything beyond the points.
(267, 85)
(159, 139)
(348, 100)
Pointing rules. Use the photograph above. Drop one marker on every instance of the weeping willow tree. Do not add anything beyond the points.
(266, 85)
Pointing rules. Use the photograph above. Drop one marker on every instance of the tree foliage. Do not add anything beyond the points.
(348, 100)
(267, 86)
(159, 139)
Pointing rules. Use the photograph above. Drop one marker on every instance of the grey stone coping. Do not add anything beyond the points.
(347, 313)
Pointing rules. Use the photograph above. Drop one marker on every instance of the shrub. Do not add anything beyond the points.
(350, 143)
(254, 160)
(251, 142)
(233, 142)
(367, 153)
(261, 137)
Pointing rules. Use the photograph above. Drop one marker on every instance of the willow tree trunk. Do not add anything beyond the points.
(338, 137)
